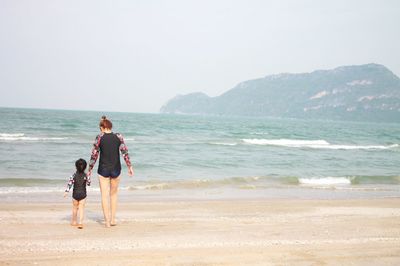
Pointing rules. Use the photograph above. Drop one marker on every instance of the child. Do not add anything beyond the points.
(79, 180)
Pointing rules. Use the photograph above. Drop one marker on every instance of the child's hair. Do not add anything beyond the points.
(105, 123)
(80, 165)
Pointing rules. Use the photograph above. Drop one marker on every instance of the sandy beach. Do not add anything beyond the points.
(213, 232)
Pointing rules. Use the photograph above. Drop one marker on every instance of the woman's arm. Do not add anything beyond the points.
(95, 153)
(125, 154)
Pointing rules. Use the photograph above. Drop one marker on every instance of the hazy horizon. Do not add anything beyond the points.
(133, 56)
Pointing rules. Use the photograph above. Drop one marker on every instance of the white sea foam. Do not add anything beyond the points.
(362, 147)
(29, 139)
(27, 190)
(223, 143)
(13, 135)
(315, 144)
(22, 137)
(325, 181)
(287, 142)
(259, 133)
(159, 186)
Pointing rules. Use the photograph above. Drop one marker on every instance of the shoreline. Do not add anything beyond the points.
(206, 232)
(290, 192)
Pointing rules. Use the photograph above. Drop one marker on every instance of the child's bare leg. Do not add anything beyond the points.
(81, 210)
(105, 197)
(75, 205)
(114, 198)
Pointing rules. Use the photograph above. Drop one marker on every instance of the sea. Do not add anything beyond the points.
(202, 157)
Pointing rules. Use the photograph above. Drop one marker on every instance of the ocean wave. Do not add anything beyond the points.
(325, 181)
(22, 137)
(350, 180)
(29, 182)
(224, 143)
(25, 185)
(28, 190)
(249, 182)
(286, 142)
(315, 144)
(273, 181)
(196, 183)
(361, 147)
(259, 133)
(159, 186)
(12, 135)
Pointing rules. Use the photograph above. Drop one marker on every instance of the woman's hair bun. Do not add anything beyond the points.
(105, 123)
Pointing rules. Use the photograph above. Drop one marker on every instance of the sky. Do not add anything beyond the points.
(133, 56)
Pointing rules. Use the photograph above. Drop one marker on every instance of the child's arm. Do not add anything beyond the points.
(88, 181)
(95, 153)
(69, 185)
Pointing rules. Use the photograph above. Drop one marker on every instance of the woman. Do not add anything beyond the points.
(108, 145)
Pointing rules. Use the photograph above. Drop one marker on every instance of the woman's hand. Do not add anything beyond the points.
(130, 170)
(65, 194)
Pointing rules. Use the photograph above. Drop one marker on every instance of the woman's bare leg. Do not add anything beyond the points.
(81, 210)
(105, 197)
(114, 198)
(75, 205)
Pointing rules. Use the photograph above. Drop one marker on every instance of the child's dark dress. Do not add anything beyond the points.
(79, 181)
